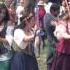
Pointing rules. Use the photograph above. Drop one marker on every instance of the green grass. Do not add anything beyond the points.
(42, 59)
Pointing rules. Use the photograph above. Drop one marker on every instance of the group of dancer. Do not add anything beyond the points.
(24, 28)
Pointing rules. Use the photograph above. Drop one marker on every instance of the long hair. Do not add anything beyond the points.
(26, 17)
(30, 7)
(6, 17)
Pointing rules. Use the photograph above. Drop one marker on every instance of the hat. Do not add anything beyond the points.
(40, 2)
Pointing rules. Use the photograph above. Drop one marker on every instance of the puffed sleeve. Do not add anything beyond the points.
(59, 31)
(19, 36)
(9, 35)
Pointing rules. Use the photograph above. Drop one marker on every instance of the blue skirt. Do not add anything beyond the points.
(22, 61)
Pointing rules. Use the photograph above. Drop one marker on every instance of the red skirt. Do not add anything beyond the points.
(61, 62)
(63, 46)
(62, 58)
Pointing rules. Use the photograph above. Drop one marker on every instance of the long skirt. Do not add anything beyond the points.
(22, 61)
(61, 62)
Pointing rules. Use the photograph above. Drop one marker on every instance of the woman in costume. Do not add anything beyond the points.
(24, 58)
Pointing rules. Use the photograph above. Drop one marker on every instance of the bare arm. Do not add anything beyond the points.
(28, 38)
(66, 36)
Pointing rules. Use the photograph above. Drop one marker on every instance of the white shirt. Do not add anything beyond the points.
(9, 34)
(62, 10)
(19, 11)
(60, 29)
(47, 7)
(6, 56)
(19, 36)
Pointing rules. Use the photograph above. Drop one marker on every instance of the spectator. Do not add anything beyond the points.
(5, 55)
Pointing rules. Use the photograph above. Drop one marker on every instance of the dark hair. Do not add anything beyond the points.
(22, 23)
(54, 7)
(5, 19)
(31, 6)
(24, 18)
(21, 26)
(3, 6)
